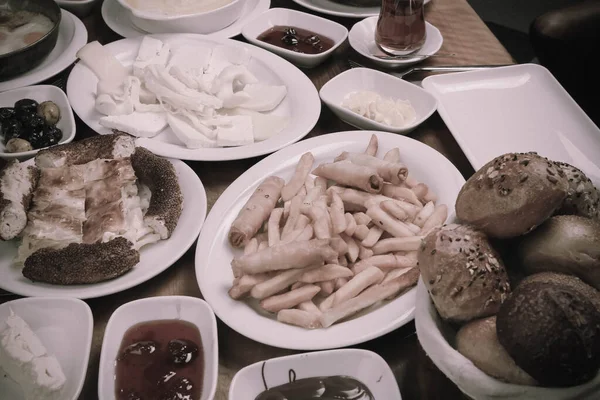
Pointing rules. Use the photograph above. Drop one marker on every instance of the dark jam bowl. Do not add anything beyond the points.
(25, 59)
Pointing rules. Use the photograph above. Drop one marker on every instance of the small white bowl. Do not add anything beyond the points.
(81, 8)
(362, 39)
(285, 17)
(190, 309)
(40, 93)
(435, 336)
(334, 91)
(65, 327)
(365, 366)
(204, 22)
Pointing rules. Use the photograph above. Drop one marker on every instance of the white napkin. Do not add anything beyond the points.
(470, 379)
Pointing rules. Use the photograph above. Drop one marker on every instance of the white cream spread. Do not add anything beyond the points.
(25, 359)
(394, 113)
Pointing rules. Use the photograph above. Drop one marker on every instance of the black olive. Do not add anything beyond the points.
(289, 40)
(313, 40)
(32, 121)
(53, 133)
(290, 31)
(140, 348)
(6, 113)
(182, 351)
(26, 105)
(37, 139)
(12, 129)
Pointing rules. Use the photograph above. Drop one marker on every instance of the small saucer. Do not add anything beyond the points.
(362, 39)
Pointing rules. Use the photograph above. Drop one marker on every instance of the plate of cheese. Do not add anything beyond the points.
(190, 97)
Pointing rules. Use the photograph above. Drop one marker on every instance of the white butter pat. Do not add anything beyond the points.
(140, 124)
(24, 358)
(237, 132)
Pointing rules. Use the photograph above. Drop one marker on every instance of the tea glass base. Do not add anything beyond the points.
(399, 52)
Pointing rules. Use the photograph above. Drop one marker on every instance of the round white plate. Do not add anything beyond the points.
(154, 258)
(72, 35)
(362, 39)
(118, 19)
(330, 7)
(214, 254)
(302, 104)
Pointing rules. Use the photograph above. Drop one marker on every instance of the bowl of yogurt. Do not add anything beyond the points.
(183, 16)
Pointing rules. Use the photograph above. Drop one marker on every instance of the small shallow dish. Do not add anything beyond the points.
(363, 365)
(190, 309)
(334, 91)
(72, 35)
(202, 22)
(435, 336)
(285, 17)
(214, 253)
(26, 58)
(40, 93)
(65, 327)
(81, 8)
(362, 39)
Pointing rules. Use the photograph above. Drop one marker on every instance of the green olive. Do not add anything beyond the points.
(16, 145)
(50, 112)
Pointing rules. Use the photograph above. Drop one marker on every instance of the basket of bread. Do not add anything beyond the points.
(508, 305)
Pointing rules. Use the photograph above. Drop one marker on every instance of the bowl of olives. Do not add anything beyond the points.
(33, 118)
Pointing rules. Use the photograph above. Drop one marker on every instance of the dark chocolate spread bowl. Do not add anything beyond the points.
(24, 59)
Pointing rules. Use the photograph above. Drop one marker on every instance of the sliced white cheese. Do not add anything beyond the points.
(264, 126)
(102, 62)
(224, 56)
(188, 64)
(231, 76)
(24, 358)
(263, 97)
(238, 132)
(137, 123)
(187, 134)
(151, 52)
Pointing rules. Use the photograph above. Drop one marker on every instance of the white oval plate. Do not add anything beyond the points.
(118, 19)
(365, 366)
(154, 258)
(362, 39)
(214, 254)
(338, 9)
(65, 326)
(72, 35)
(302, 104)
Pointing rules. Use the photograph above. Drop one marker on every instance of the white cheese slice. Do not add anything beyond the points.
(151, 52)
(238, 132)
(102, 62)
(187, 134)
(24, 358)
(188, 64)
(224, 56)
(137, 123)
(264, 126)
(263, 97)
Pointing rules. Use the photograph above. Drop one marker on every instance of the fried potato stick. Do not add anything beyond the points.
(401, 193)
(394, 210)
(251, 246)
(289, 299)
(299, 178)
(437, 218)
(386, 222)
(392, 155)
(275, 284)
(424, 214)
(373, 236)
(245, 284)
(384, 246)
(361, 281)
(273, 226)
(350, 224)
(372, 147)
(299, 318)
(336, 212)
(325, 273)
(309, 306)
(364, 253)
(353, 248)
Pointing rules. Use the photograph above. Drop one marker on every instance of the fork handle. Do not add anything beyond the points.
(458, 68)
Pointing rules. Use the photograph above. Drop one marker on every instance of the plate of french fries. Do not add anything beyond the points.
(315, 247)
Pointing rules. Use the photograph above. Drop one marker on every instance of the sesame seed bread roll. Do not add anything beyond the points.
(256, 211)
(17, 184)
(583, 198)
(463, 273)
(512, 194)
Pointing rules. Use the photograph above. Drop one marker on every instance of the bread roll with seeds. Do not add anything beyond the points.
(463, 273)
(550, 326)
(583, 198)
(512, 194)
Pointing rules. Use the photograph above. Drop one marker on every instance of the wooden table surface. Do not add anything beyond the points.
(464, 34)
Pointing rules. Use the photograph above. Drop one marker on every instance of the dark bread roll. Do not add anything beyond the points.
(463, 273)
(512, 194)
(478, 342)
(566, 244)
(551, 328)
(583, 198)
